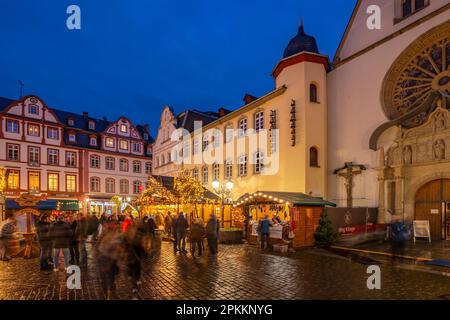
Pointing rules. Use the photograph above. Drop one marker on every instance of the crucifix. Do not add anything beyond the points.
(348, 172)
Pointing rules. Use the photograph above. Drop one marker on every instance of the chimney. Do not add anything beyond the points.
(249, 98)
(221, 112)
(85, 115)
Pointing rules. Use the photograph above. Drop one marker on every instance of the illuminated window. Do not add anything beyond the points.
(53, 182)
(123, 145)
(13, 179)
(33, 181)
(123, 128)
(71, 183)
(195, 174)
(33, 130)
(110, 142)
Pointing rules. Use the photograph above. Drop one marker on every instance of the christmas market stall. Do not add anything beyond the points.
(172, 195)
(295, 217)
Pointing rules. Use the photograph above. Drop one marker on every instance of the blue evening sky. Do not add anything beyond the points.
(132, 57)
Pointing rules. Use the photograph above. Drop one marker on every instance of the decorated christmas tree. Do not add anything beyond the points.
(325, 234)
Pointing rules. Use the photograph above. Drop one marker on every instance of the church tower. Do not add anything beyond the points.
(303, 71)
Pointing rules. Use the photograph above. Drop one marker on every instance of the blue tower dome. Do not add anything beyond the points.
(301, 42)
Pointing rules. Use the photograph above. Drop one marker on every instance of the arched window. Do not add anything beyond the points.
(136, 166)
(195, 174)
(95, 184)
(259, 162)
(242, 131)
(259, 120)
(313, 93)
(205, 175)
(124, 186)
(123, 165)
(242, 165)
(216, 171)
(110, 185)
(136, 187)
(313, 157)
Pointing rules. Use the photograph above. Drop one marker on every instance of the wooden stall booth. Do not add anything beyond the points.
(295, 216)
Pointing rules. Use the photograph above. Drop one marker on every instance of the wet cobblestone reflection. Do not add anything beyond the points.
(238, 272)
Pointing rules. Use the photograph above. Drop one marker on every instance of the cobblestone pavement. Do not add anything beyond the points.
(238, 272)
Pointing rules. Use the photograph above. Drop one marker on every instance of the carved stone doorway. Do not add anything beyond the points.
(431, 203)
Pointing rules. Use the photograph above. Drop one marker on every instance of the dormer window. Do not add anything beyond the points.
(33, 109)
(72, 137)
(136, 147)
(109, 142)
(93, 141)
(406, 8)
(91, 125)
(71, 122)
(123, 128)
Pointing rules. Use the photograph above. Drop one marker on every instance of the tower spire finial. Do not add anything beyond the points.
(300, 26)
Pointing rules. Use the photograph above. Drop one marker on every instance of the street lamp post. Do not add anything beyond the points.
(224, 191)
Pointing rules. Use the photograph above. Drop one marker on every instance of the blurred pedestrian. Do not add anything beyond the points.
(45, 242)
(74, 252)
(61, 236)
(81, 235)
(168, 223)
(126, 223)
(197, 234)
(7, 228)
(108, 251)
(181, 226)
(212, 233)
(174, 234)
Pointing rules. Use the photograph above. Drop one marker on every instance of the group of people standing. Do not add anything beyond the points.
(66, 235)
(197, 232)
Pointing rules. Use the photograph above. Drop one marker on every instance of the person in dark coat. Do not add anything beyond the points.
(61, 236)
(181, 226)
(81, 235)
(212, 233)
(45, 242)
(151, 226)
(174, 234)
(74, 252)
(197, 235)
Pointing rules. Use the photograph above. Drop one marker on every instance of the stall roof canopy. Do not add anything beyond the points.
(168, 183)
(296, 198)
(42, 205)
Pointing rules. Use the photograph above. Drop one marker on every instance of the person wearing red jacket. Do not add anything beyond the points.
(127, 223)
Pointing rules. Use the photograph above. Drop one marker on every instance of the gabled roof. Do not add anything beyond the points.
(187, 118)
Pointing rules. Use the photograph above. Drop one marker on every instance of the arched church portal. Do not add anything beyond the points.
(432, 202)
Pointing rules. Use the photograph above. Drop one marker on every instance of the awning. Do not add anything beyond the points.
(42, 205)
(292, 198)
(68, 205)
